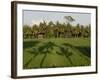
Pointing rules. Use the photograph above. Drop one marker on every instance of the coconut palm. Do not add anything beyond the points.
(35, 30)
(27, 31)
(69, 19)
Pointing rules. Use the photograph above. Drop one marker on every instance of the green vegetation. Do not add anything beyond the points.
(49, 45)
(56, 30)
(56, 52)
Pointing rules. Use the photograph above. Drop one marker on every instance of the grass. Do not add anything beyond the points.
(56, 52)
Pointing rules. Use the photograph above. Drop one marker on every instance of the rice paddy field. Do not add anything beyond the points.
(56, 52)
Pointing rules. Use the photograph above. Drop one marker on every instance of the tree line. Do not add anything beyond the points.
(56, 30)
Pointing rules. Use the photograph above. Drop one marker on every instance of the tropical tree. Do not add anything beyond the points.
(57, 30)
(87, 31)
(49, 30)
(27, 31)
(77, 30)
(35, 30)
(69, 19)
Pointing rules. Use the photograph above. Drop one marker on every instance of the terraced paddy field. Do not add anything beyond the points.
(56, 52)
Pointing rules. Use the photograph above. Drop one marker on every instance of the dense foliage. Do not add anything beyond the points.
(56, 30)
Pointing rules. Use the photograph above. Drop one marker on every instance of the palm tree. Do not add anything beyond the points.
(77, 30)
(87, 31)
(57, 29)
(69, 19)
(34, 30)
(27, 31)
(49, 29)
(43, 28)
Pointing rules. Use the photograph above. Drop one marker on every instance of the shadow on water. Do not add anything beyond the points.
(65, 51)
(85, 50)
(34, 52)
(46, 49)
(29, 44)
